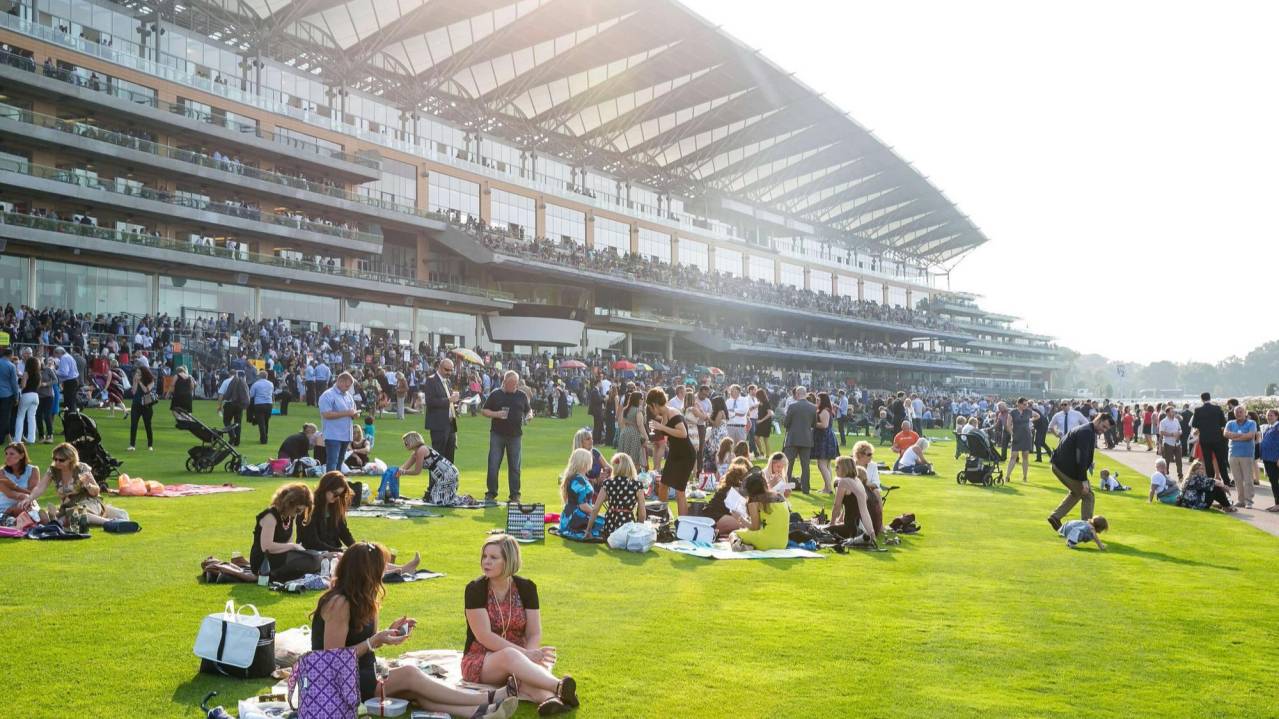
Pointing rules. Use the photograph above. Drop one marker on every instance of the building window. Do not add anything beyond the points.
(565, 224)
(299, 307)
(195, 299)
(452, 194)
(697, 254)
(514, 213)
(792, 275)
(728, 262)
(847, 287)
(655, 244)
(611, 233)
(896, 296)
(761, 268)
(819, 281)
(397, 186)
(873, 292)
(81, 288)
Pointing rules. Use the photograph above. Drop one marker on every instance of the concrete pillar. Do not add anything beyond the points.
(834, 284)
(155, 294)
(670, 346)
(629, 349)
(746, 265)
(423, 260)
(256, 294)
(413, 334)
(634, 245)
(777, 270)
(590, 230)
(861, 289)
(33, 281)
(423, 188)
(486, 202)
(539, 217)
(808, 279)
(710, 257)
(674, 250)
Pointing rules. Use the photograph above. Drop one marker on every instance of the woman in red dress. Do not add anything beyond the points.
(1128, 428)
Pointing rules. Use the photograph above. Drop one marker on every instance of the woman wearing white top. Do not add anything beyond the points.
(913, 461)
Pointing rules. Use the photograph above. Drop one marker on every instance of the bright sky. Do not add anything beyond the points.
(1123, 151)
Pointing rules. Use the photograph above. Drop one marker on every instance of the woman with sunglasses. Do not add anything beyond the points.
(600, 470)
(327, 530)
(347, 617)
(78, 491)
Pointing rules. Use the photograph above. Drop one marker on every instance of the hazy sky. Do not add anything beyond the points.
(1119, 155)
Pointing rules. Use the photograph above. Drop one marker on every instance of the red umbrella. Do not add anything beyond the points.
(623, 365)
(716, 371)
(572, 364)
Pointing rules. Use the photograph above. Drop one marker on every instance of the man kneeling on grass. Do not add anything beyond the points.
(1078, 531)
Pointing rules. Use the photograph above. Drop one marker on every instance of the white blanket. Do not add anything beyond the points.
(721, 550)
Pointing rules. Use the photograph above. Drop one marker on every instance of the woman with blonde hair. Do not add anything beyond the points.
(274, 549)
(79, 492)
(346, 616)
(624, 495)
(858, 510)
(578, 519)
(504, 631)
(600, 470)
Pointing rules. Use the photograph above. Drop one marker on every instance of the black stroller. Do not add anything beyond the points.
(214, 448)
(80, 431)
(983, 465)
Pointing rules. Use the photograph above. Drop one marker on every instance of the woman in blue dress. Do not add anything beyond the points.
(825, 445)
(579, 497)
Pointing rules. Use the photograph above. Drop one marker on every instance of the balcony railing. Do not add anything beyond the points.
(158, 241)
(89, 181)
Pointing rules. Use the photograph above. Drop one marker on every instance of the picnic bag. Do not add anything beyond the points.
(633, 537)
(326, 684)
(237, 645)
(526, 521)
(698, 530)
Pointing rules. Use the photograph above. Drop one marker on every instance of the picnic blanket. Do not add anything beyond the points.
(479, 504)
(443, 664)
(192, 490)
(400, 509)
(721, 550)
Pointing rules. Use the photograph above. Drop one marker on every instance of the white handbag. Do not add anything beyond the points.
(633, 537)
(229, 637)
(698, 530)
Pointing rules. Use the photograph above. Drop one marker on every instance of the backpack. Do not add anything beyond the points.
(904, 524)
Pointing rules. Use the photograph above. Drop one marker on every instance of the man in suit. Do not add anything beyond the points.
(440, 400)
(800, 418)
(596, 411)
(1211, 423)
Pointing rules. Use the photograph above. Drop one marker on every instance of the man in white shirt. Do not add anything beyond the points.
(700, 409)
(1065, 420)
(1161, 485)
(752, 415)
(738, 412)
(1170, 439)
(677, 402)
(917, 408)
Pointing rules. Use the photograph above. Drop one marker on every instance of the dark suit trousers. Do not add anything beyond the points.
(803, 454)
(1219, 450)
(232, 416)
(597, 430)
(444, 441)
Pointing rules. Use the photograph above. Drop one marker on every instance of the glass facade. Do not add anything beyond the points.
(655, 244)
(81, 288)
(363, 314)
(728, 262)
(453, 193)
(897, 296)
(514, 212)
(847, 286)
(563, 223)
(434, 327)
(791, 274)
(819, 281)
(611, 233)
(299, 307)
(13, 280)
(761, 268)
(197, 298)
(873, 292)
(697, 254)
(398, 183)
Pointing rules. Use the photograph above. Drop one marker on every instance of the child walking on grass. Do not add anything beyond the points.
(1078, 531)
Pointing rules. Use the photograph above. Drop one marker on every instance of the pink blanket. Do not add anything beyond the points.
(191, 490)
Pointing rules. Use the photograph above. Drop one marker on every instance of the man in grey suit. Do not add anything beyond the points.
(800, 418)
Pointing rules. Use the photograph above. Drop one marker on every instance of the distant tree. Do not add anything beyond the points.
(1197, 377)
(1159, 375)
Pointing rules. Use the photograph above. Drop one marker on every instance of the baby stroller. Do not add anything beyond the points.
(213, 449)
(983, 465)
(81, 431)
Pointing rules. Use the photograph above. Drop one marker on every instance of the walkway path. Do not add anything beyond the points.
(1143, 464)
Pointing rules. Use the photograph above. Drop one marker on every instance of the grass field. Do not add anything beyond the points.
(984, 614)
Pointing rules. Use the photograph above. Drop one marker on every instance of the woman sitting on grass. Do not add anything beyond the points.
(858, 512)
(600, 470)
(775, 474)
(504, 631)
(726, 520)
(78, 491)
(359, 449)
(21, 485)
(273, 530)
(327, 531)
(347, 617)
(913, 460)
(769, 526)
(579, 518)
(1200, 491)
(624, 495)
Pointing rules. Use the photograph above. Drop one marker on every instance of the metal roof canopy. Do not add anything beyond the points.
(646, 90)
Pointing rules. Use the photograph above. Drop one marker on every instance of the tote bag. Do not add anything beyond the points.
(526, 521)
(326, 684)
(236, 644)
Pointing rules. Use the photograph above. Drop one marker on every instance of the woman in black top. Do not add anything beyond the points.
(183, 390)
(347, 617)
(273, 535)
(25, 429)
(327, 531)
(143, 386)
(717, 508)
(764, 421)
(504, 631)
(680, 458)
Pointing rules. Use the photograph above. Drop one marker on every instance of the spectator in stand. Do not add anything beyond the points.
(1242, 433)
(144, 399)
(1211, 423)
(337, 409)
(508, 407)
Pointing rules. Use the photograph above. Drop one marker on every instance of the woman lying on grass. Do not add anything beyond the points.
(504, 632)
(347, 616)
(327, 531)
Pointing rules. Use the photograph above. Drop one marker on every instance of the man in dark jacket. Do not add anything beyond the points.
(1211, 423)
(1071, 462)
(798, 422)
(596, 411)
(440, 418)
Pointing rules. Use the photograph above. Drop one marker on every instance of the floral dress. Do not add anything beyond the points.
(573, 521)
(629, 440)
(506, 618)
(621, 502)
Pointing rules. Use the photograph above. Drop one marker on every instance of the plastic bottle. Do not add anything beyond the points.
(264, 573)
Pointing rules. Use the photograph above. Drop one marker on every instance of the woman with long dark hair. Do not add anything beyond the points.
(347, 616)
(143, 406)
(630, 439)
(681, 460)
(327, 531)
(769, 525)
(825, 444)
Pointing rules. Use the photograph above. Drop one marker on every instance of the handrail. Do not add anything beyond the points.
(256, 215)
(169, 243)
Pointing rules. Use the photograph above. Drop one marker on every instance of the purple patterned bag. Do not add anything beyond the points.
(327, 683)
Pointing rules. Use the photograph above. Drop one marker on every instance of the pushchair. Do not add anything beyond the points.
(983, 465)
(214, 448)
(81, 432)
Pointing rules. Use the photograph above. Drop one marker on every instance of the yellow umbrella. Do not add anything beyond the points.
(643, 367)
(468, 355)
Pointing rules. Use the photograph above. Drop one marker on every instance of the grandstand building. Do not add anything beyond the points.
(565, 175)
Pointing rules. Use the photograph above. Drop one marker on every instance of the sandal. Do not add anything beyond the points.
(511, 689)
(567, 691)
(551, 706)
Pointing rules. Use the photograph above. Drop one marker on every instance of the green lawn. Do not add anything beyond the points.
(985, 614)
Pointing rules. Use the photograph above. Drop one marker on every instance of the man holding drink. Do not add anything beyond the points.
(508, 408)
